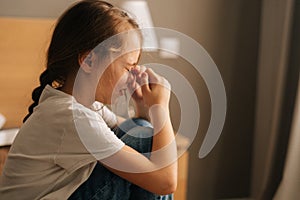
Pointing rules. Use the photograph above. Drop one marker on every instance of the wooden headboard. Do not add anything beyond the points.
(23, 46)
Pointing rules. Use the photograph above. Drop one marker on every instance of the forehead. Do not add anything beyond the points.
(132, 40)
(130, 49)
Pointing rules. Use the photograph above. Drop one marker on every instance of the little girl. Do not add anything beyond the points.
(71, 146)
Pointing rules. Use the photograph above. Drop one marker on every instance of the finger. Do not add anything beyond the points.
(144, 83)
(139, 78)
(130, 79)
(135, 70)
(138, 69)
(166, 84)
(153, 77)
(142, 68)
(132, 86)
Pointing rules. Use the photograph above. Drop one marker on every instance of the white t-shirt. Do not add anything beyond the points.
(57, 148)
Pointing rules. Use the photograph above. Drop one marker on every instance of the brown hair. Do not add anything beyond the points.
(79, 30)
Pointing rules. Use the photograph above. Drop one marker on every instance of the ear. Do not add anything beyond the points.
(86, 61)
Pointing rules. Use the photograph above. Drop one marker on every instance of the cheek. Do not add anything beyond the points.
(114, 78)
(120, 79)
(119, 75)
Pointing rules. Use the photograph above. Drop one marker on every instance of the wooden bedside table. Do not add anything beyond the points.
(3, 155)
(182, 144)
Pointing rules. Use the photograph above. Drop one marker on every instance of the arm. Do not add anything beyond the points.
(160, 170)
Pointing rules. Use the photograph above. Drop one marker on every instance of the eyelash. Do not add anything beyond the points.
(128, 70)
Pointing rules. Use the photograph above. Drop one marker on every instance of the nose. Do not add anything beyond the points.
(131, 68)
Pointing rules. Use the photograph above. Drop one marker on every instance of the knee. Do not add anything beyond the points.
(136, 133)
(135, 126)
(142, 122)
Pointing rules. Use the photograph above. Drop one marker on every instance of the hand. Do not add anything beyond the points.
(155, 88)
(135, 91)
(132, 84)
(156, 95)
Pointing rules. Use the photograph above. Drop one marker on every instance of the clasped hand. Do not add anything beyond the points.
(147, 88)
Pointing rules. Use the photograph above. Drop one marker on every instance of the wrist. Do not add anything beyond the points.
(141, 111)
(158, 116)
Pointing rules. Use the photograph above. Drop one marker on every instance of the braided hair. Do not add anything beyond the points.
(79, 30)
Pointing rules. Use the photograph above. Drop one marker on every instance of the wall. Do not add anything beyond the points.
(228, 30)
(276, 96)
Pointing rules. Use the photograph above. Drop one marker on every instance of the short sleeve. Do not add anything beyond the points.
(107, 115)
(90, 140)
(95, 134)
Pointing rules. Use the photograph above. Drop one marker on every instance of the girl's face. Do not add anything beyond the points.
(114, 78)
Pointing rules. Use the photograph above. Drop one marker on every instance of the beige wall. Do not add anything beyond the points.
(278, 76)
(228, 30)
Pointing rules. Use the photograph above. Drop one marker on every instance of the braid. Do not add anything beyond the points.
(45, 78)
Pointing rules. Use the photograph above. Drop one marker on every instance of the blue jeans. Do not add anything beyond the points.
(105, 185)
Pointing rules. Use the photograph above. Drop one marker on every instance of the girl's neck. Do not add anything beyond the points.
(81, 93)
